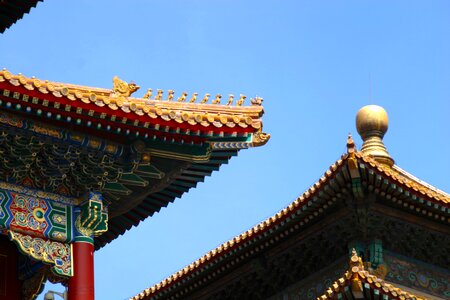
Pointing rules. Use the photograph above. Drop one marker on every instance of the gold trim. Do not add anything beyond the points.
(39, 248)
(184, 157)
(120, 98)
(37, 193)
(35, 214)
(260, 138)
(356, 277)
(85, 231)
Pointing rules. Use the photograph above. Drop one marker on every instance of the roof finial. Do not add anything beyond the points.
(355, 262)
(372, 124)
(351, 148)
(356, 265)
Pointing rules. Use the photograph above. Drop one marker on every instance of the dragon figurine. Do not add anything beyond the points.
(121, 88)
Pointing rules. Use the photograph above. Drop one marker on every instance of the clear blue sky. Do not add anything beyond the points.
(311, 62)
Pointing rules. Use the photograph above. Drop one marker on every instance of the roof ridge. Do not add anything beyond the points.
(407, 179)
(424, 183)
(112, 92)
(227, 117)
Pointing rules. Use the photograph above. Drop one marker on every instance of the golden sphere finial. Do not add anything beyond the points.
(372, 124)
(371, 118)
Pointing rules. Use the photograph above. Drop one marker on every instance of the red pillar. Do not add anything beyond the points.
(10, 285)
(81, 284)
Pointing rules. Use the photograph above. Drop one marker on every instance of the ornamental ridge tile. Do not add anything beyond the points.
(180, 110)
(356, 276)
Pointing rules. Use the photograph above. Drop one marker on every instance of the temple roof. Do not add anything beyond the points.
(181, 111)
(140, 153)
(425, 196)
(13, 10)
(354, 171)
(357, 283)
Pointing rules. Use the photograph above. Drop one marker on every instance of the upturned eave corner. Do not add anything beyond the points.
(387, 187)
(359, 282)
(260, 138)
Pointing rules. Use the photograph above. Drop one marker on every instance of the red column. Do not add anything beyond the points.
(81, 284)
(9, 278)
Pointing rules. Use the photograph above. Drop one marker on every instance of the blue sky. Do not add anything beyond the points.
(315, 63)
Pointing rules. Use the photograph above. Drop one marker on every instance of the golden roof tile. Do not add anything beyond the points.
(409, 181)
(356, 276)
(119, 98)
(394, 173)
(245, 236)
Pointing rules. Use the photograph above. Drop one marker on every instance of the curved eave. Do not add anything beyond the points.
(164, 127)
(100, 109)
(302, 210)
(154, 202)
(361, 284)
(408, 182)
(315, 202)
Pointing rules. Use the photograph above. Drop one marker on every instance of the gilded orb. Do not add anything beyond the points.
(372, 124)
(371, 119)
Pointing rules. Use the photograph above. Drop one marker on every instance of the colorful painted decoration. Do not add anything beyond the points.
(59, 255)
(76, 161)
(92, 219)
(35, 216)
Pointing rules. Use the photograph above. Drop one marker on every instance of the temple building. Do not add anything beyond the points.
(80, 165)
(366, 229)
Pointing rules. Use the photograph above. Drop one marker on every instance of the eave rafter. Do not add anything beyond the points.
(11, 11)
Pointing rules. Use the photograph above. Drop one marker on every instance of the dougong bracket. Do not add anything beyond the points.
(93, 218)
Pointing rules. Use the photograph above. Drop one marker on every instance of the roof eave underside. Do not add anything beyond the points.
(13, 10)
(154, 202)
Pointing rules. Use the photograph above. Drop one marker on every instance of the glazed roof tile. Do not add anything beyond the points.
(200, 136)
(409, 181)
(245, 236)
(357, 279)
(179, 109)
(395, 174)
